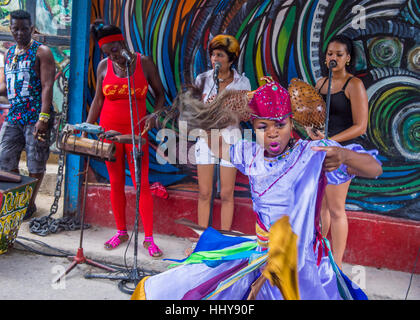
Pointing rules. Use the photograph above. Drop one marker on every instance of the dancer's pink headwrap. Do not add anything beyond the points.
(271, 101)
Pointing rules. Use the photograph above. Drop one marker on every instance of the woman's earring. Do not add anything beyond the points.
(348, 63)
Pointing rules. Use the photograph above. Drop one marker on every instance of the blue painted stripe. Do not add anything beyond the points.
(392, 199)
(79, 60)
(376, 206)
(291, 70)
(395, 174)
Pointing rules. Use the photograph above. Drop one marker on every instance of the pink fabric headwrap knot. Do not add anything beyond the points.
(271, 101)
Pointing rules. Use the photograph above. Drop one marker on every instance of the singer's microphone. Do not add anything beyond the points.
(126, 55)
(217, 66)
(332, 64)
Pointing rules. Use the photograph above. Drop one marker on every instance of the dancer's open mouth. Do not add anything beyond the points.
(275, 147)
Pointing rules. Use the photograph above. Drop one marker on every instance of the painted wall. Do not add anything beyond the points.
(285, 39)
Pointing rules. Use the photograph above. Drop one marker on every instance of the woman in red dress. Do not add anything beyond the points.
(111, 104)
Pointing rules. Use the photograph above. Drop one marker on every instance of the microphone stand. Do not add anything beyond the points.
(80, 258)
(216, 172)
(134, 275)
(332, 65)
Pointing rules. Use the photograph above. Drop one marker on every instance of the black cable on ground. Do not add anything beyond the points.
(412, 274)
(123, 285)
(60, 253)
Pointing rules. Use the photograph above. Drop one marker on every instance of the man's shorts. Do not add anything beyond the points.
(14, 139)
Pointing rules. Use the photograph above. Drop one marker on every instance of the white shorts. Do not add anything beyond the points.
(203, 154)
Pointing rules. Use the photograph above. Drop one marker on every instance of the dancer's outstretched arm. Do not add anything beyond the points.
(359, 164)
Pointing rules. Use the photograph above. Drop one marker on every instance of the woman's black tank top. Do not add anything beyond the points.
(340, 112)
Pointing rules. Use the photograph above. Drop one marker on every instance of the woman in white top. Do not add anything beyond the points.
(224, 50)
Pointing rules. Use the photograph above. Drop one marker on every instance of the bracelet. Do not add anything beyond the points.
(44, 115)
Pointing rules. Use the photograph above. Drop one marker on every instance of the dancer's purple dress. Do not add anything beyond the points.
(287, 185)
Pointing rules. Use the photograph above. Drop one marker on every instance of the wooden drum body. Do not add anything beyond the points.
(97, 149)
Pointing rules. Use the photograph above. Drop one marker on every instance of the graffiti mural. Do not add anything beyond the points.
(286, 39)
(53, 16)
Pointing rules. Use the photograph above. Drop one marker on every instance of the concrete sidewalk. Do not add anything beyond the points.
(379, 284)
(94, 238)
